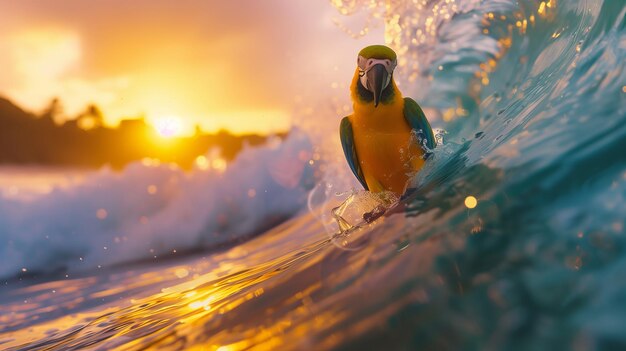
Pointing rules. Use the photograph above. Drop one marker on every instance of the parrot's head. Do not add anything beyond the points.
(375, 69)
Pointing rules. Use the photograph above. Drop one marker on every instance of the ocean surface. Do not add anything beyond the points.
(530, 101)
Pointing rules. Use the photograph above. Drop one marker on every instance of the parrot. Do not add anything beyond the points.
(380, 138)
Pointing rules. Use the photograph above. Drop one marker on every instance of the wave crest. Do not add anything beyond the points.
(152, 210)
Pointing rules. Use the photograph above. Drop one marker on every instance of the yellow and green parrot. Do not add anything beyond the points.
(378, 138)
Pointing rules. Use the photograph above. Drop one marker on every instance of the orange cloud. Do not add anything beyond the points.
(231, 64)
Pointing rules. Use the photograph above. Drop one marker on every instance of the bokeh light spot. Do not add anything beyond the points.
(101, 213)
(470, 202)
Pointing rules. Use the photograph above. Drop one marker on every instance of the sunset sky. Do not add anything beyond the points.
(237, 64)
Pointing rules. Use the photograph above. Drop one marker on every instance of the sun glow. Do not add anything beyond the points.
(169, 126)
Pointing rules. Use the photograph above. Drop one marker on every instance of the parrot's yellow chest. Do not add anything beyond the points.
(384, 146)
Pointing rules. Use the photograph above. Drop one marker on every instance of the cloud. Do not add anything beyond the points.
(197, 59)
(44, 53)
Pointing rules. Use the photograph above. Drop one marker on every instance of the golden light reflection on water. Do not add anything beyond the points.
(195, 312)
(288, 289)
(151, 320)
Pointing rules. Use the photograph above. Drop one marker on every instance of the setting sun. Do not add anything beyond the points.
(169, 126)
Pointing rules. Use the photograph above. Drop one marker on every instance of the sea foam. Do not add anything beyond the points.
(151, 210)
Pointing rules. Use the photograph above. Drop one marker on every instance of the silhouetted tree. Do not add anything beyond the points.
(28, 139)
(90, 118)
(54, 111)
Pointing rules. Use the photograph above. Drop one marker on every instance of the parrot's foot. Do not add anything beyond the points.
(398, 208)
(374, 214)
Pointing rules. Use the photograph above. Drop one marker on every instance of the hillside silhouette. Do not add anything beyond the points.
(84, 141)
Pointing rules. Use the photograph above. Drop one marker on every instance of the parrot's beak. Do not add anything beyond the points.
(377, 80)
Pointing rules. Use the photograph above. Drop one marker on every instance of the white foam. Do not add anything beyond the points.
(152, 209)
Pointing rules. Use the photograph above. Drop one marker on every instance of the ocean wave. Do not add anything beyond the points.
(152, 210)
(533, 99)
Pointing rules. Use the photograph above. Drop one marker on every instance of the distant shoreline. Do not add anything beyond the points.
(84, 142)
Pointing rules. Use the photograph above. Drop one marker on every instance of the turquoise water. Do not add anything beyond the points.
(538, 264)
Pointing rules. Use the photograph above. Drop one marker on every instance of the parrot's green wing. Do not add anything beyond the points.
(417, 120)
(347, 142)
